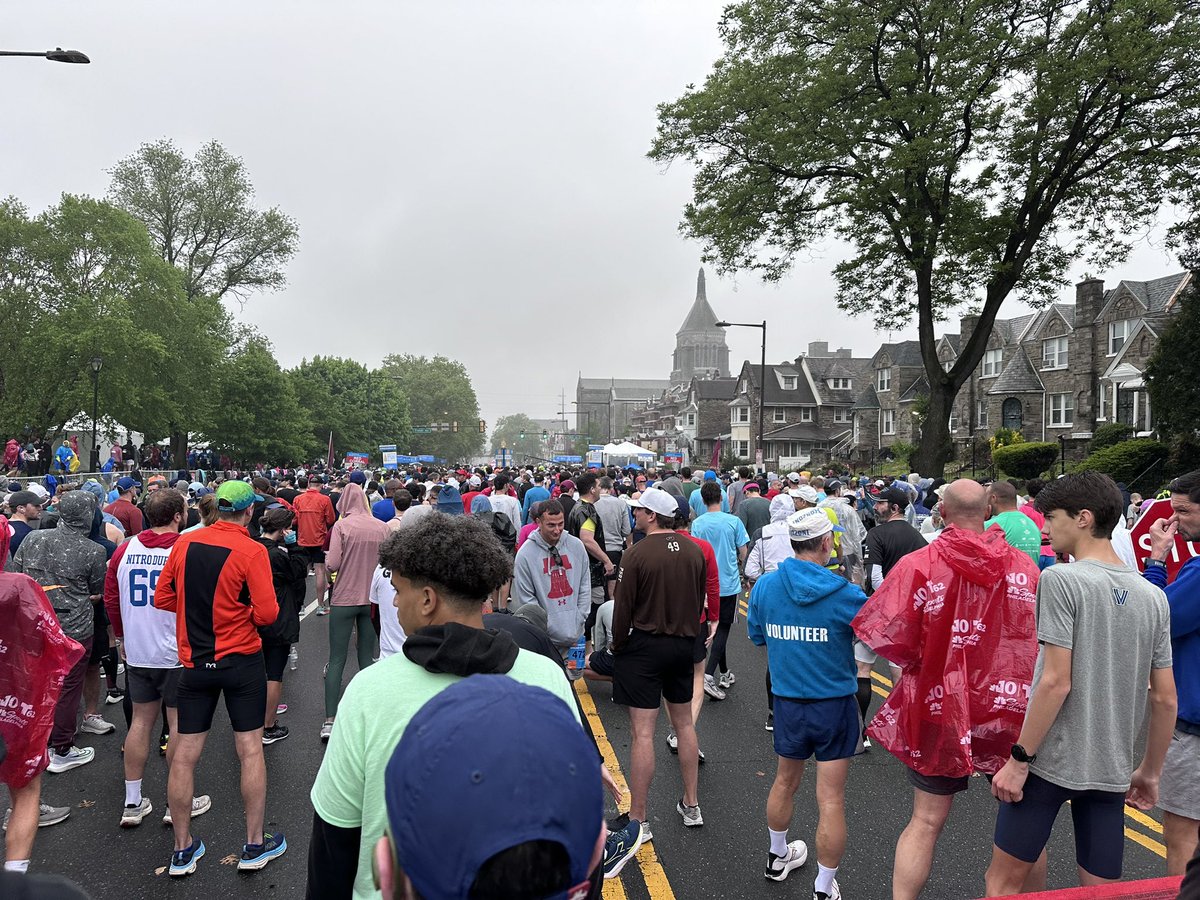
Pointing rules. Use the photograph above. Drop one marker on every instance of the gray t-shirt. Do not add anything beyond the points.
(1117, 627)
(614, 519)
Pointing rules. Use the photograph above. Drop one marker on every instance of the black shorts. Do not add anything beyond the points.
(100, 644)
(314, 555)
(146, 685)
(275, 657)
(700, 653)
(652, 667)
(243, 681)
(614, 557)
(601, 662)
(729, 607)
(1022, 829)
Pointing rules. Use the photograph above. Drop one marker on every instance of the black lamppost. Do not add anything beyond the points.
(1062, 464)
(58, 54)
(762, 377)
(97, 362)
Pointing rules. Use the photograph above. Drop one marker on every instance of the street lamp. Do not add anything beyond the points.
(762, 389)
(58, 54)
(97, 362)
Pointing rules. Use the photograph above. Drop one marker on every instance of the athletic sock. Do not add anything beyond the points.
(864, 697)
(778, 841)
(17, 865)
(133, 793)
(824, 878)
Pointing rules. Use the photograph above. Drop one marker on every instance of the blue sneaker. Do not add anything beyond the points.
(256, 856)
(183, 862)
(620, 846)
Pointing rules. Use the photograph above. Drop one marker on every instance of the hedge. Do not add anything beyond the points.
(1127, 460)
(1025, 460)
(1108, 435)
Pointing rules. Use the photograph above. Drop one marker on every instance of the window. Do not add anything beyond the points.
(741, 449)
(1054, 353)
(789, 382)
(740, 415)
(842, 416)
(806, 413)
(883, 379)
(981, 414)
(1118, 332)
(691, 418)
(953, 423)
(889, 421)
(839, 384)
(993, 362)
(1062, 410)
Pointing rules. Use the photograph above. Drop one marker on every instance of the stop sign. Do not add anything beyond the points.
(1183, 551)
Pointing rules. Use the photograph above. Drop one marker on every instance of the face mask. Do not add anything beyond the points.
(289, 537)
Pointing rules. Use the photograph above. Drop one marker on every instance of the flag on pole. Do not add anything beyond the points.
(716, 457)
(329, 455)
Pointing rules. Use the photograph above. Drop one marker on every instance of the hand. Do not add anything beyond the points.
(712, 630)
(1162, 537)
(1009, 784)
(609, 568)
(1143, 790)
(121, 652)
(610, 783)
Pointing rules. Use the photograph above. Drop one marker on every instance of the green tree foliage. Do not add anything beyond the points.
(82, 280)
(1173, 372)
(966, 151)
(256, 416)
(520, 434)
(364, 409)
(1025, 460)
(1138, 463)
(438, 390)
(1108, 434)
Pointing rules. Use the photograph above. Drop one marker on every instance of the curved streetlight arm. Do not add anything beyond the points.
(58, 54)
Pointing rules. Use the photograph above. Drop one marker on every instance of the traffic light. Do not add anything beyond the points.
(522, 435)
(545, 435)
(482, 426)
(454, 427)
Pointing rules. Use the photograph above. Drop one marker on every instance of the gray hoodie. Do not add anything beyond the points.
(68, 565)
(564, 592)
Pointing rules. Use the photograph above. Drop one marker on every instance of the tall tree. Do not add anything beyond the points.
(363, 409)
(439, 390)
(520, 434)
(967, 151)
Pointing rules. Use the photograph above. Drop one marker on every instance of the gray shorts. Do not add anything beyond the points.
(146, 685)
(1179, 786)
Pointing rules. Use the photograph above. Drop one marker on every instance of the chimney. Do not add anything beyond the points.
(844, 353)
(818, 348)
(1089, 300)
(966, 328)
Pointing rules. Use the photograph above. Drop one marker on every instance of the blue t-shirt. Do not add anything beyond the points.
(727, 535)
(384, 510)
(696, 502)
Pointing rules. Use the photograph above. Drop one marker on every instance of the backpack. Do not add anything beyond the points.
(502, 527)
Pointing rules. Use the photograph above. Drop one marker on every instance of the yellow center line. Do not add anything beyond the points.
(652, 871)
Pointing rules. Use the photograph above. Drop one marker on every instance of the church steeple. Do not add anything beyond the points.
(700, 347)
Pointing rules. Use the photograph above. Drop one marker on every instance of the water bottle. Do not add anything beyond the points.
(293, 658)
(575, 658)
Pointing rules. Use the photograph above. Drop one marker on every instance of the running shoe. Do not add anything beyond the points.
(271, 735)
(115, 695)
(712, 688)
(672, 742)
(691, 814)
(647, 837)
(281, 709)
(162, 744)
(620, 847)
(131, 815)
(326, 731)
(200, 805)
(322, 610)
(183, 862)
(701, 752)
(72, 759)
(96, 724)
(256, 856)
(727, 680)
(778, 867)
(770, 726)
(47, 815)
(835, 893)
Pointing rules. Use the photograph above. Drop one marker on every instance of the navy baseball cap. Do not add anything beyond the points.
(358, 476)
(450, 809)
(127, 483)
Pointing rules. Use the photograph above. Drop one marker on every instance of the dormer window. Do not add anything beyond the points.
(883, 379)
(1118, 333)
(839, 384)
(789, 382)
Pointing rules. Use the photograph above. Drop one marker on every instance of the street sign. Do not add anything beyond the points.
(422, 429)
(354, 458)
(389, 455)
(568, 459)
(1184, 550)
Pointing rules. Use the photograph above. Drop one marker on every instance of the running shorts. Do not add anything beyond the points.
(146, 685)
(314, 555)
(652, 667)
(275, 658)
(1179, 787)
(829, 729)
(243, 682)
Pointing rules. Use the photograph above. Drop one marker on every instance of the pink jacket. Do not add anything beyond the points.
(354, 548)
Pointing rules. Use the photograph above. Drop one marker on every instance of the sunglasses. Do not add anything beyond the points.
(555, 557)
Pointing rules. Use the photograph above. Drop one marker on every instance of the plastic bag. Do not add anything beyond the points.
(958, 617)
(35, 657)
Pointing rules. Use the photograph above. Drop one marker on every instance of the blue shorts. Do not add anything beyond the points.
(830, 729)
(1022, 829)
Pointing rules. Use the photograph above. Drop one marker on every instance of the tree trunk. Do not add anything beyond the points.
(934, 449)
(179, 449)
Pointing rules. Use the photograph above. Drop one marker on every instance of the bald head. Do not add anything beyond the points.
(1002, 496)
(965, 504)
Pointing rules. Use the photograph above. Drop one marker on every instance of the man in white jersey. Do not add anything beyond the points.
(147, 643)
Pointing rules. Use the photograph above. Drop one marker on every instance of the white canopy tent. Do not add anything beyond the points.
(626, 452)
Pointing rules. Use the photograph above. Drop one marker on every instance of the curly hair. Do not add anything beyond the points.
(457, 554)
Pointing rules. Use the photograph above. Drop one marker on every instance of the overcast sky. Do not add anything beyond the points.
(469, 178)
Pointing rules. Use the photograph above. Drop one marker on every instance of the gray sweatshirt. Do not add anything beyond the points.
(565, 591)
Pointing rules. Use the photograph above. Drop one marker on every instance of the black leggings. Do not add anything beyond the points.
(716, 656)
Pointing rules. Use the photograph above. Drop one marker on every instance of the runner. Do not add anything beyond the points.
(730, 543)
(584, 523)
(1019, 529)
(205, 581)
(289, 575)
(314, 517)
(552, 569)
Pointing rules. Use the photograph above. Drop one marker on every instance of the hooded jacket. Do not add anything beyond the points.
(289, 573)
(354, 548)
(958, 617)
(67, 564)
(565, 591)
(802, 613)
(449, 501)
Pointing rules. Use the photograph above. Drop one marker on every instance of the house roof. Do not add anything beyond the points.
(954, 340)
(715, 388)
(1010, 330)
(701, 316)
(1018, 377)
(919, 388)
(868, 399)
(904, 353)
(1154, 295)
(1040, 319)
(627, 388)
(774, 395)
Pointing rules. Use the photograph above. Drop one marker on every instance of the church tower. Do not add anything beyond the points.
(700, 348)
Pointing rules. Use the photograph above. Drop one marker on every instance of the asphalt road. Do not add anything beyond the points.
(724, 859)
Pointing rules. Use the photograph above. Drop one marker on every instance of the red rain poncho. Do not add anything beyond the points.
(958, 616)
(35, 656)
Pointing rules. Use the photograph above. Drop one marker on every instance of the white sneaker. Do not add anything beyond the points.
(691, 814)
(727, 680)
(200, 805)
(131, 816)
(778, 867)
(835, 893)
(673, 746)
(72, 759)
(712, 688)
(47, 815)
(96, 724)
(326, 731)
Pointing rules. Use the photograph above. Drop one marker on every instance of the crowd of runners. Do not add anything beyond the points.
(1025, 642)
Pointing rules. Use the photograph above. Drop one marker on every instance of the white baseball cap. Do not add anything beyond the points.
(805, 492)
(657, 501)
(808, 524)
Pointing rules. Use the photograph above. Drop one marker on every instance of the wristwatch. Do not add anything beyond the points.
(1160, 563)
(1019, 754)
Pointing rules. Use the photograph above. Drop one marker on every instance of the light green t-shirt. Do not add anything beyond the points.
(372, 716)
(1020, 531)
